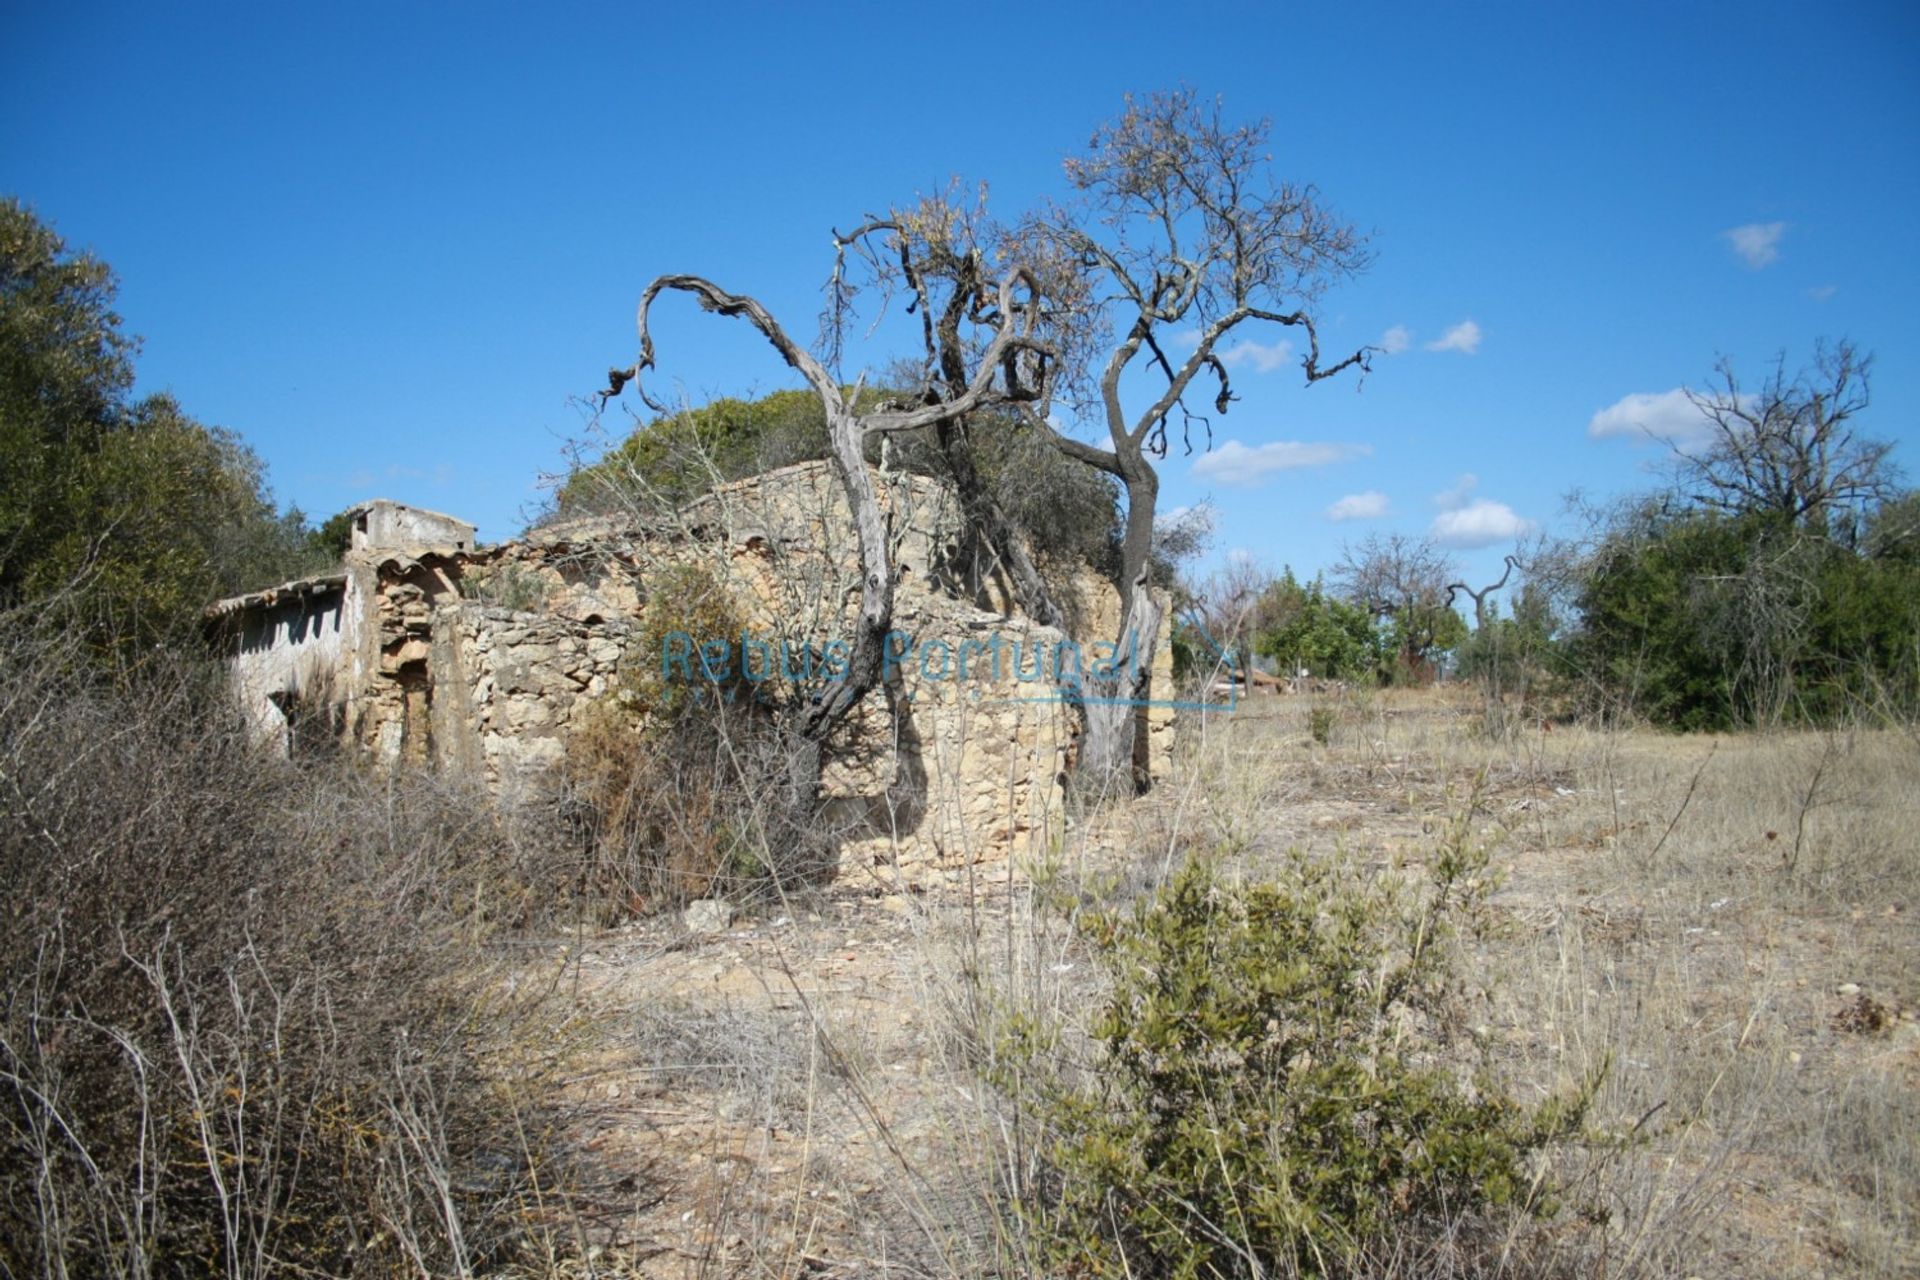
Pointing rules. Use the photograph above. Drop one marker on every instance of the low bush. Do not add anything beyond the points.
(1270, 1090)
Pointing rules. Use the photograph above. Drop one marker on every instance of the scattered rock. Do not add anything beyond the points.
(708, 915)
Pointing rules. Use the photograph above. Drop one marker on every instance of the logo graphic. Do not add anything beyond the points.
(1059, 671)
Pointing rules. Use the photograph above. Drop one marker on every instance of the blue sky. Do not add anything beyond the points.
(388, 243)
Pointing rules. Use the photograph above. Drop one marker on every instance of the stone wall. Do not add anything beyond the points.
(509, 686)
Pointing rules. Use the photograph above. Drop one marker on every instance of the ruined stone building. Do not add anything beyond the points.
(424, 647)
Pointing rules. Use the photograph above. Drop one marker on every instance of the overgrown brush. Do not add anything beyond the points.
(677, 776)
(247, 1025)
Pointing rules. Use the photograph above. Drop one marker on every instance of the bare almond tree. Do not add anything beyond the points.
(1226, 605)
(1789, 449)
(1179, 238)
(942, 254)
(1187, 240)
(1403, 580)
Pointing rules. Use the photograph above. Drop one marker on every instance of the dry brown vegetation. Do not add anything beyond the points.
(1723, 925)
(263, 1016)
(256, 1017)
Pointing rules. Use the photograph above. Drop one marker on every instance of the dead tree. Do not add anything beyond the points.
(940, 254)
(848, 430)
(1788, 450)
(1179, 227)
(1457, 589)
(1482, 637)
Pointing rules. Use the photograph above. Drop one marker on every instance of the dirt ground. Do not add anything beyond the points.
(1727, 925)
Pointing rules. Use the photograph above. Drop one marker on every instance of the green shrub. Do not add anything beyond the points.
(1272, 1094)
(1067, 510)
(1320, 724)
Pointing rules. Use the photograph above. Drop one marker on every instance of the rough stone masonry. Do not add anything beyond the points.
(425, 648)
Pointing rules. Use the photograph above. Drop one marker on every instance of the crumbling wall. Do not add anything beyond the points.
(287, 646)
(384, 525)
(390, 685)
(514, 684)
(962, 756)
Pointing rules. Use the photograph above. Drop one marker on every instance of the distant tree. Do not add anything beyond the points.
(1789, 450)
(329, 542)
(1401, 582)
(1226, 607)
(128, 513)
(1304, 628)
(1642, 606)
(1776, 581)
(1520, 645)
(1483, 647)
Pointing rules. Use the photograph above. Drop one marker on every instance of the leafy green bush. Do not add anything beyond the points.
(1271, 1094)
(1702, 621)
(128, 516)
(679, 456)
(1067, 510)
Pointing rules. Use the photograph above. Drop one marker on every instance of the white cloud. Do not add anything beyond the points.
(1648, 415)
(1242, 466)
(1757, 243)
(1263, 357)
(1370, 505)
(1821, 292)
(1463, 337)
(1396, 340)
(1480, 523)
(1449, 499)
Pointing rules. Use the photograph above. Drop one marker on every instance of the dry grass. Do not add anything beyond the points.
(1723, 925)
(1693, 915)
